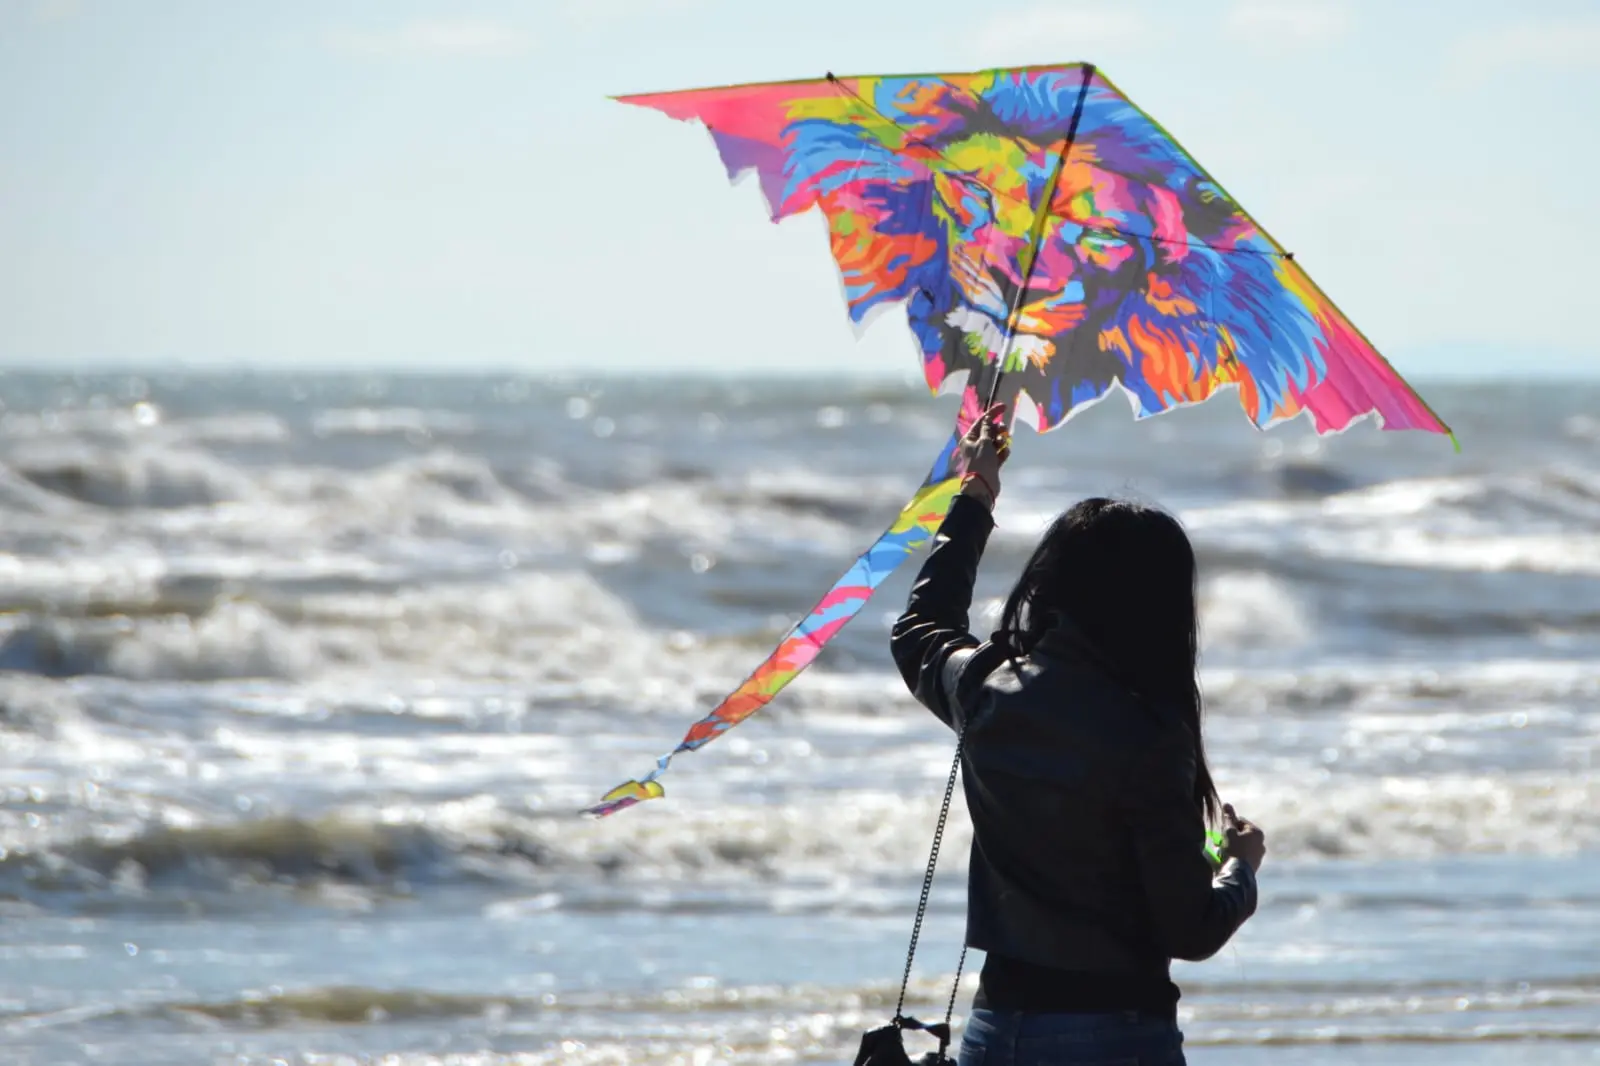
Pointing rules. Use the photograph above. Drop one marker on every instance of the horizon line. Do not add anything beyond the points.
(911, 377)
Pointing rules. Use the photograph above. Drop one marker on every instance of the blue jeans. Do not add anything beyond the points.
(1122, 1038)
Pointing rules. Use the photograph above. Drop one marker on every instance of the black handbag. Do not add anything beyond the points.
(886, 1046)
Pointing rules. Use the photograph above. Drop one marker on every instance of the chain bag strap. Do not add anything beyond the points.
(885, 1047)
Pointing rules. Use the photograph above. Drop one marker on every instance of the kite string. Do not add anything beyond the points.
(994, 387)
(1041, 217)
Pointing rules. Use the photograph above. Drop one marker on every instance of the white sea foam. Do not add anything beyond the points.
(246, 427)
(1425, 524)
(831, 850)
(1252, 610)
(377, 421)
(231, 640)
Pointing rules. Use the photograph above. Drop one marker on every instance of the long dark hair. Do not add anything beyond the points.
(1124, 575)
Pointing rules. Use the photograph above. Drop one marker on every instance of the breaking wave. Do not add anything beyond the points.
(141, 477)
(861, 856)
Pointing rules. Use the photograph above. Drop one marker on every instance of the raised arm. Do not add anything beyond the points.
(931, 642)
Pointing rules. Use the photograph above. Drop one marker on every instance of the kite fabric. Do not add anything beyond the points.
(1049, 239)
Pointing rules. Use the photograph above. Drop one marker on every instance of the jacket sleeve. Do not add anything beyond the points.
(1193, 912)
(930, 642)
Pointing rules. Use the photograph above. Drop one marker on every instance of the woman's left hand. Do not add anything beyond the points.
(984, 450)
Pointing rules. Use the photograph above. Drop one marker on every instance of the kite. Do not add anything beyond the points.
(1047, 239)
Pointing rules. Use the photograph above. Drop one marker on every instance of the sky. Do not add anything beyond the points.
(406, 184)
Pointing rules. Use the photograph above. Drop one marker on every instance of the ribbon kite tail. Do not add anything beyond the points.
(918, 521)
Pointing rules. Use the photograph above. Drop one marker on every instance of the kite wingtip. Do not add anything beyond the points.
(624, 796)
(606, 808)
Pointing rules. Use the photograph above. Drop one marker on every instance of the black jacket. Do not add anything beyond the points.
(1087, 851)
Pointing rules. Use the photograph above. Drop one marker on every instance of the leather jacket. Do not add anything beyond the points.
(1087, 850)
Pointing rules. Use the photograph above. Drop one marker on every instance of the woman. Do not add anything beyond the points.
(1084, 773)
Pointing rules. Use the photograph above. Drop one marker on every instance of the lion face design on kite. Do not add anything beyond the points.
(1147, 273)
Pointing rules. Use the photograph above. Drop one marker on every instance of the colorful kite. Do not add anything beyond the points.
(1051, 240)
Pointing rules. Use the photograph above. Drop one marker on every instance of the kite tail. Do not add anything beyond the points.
(917, 523)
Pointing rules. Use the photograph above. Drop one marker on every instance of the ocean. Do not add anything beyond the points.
(303, 679)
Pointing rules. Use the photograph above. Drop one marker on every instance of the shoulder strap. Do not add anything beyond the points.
(970, 679)
(927, 888)
(940, 1031)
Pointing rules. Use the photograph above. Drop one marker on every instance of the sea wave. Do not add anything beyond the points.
(216, 618)
(38, 708)
(1488, 523)
(405, 421)
(232, 640)
(736, 1024)
(1206, 1002)
(848, 852)
(1407, 688)
(120, 477)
